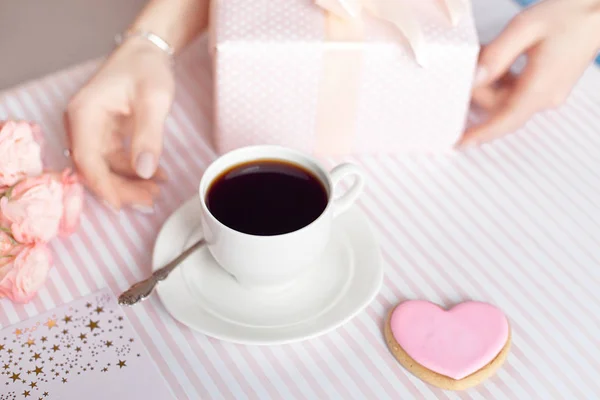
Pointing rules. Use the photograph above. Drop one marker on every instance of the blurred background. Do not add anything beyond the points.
(38, 37)
(41, 36)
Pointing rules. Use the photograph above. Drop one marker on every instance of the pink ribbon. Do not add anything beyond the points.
(399, 13)
(335, 128)
(339, 88)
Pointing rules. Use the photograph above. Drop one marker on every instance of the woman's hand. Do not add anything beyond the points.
(560, 39)
(115, 124)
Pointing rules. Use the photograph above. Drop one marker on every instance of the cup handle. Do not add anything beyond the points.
(346, 200)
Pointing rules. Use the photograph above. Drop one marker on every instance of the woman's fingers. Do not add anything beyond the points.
(530, 93)
(506, 97)
(491, 97)
(86, 126)
(136, 192)
(545, 83)
(497, 57)
(150, 111)
(560, 39)
(120, 163)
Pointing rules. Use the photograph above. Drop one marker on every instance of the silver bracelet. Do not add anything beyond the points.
(151, 37)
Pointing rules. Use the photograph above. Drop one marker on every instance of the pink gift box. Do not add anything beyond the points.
(292, 73)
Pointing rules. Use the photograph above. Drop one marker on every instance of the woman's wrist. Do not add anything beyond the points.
(142, 50)
(146, 39)
(176, 22)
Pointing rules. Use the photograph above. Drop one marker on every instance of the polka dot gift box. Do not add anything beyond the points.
(340, 77)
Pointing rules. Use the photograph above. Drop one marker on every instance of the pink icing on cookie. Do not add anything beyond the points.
(455, 342)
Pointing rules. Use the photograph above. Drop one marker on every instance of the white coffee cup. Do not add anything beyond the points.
(274, 262)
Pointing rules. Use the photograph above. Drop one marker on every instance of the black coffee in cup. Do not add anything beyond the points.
(266, 197)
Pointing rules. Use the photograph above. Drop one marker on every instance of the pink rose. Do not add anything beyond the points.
(20, 153)
(72, 202)
(33, 208)
(24, 274)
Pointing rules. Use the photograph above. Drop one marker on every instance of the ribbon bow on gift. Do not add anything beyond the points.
(398, 12)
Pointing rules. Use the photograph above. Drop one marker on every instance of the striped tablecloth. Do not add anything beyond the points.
(515, 223)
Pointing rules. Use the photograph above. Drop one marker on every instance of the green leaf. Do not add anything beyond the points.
(8, 193)
(12, 239)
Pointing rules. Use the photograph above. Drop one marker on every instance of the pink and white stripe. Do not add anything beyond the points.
(515, 223)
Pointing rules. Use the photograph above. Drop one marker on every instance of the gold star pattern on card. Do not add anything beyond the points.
(93, 325)
(51, 323)
(9, 351)
(66, 345)
(26, 393)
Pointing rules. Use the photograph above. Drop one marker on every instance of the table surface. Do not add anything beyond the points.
(515, 223)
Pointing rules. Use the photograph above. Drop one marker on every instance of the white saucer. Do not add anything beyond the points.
(201, 295)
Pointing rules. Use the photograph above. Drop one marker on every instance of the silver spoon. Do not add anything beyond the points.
(139, 291)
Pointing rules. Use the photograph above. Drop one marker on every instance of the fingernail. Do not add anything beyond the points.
(464, 144)
(451, 151)
(143, 209)
(145, 165)
(481, 75)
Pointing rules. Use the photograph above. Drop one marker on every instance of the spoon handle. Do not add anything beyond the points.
(139, 291)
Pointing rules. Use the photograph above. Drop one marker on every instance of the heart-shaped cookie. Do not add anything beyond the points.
(453, 349)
